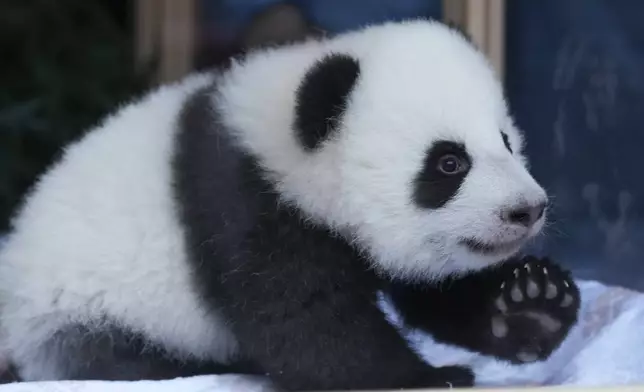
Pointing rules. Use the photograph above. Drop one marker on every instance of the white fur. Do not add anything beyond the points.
(99, 235)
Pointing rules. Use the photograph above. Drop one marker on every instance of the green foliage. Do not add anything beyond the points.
(65, 64)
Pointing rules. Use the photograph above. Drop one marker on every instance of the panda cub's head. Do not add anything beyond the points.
(397, 136)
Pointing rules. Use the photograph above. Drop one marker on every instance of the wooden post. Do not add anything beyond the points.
(166, 29)
(496, 35)
(484, 21)
(147, 25)
(177, 39)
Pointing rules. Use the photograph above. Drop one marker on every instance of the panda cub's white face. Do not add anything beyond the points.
(432, 173)
(402, 141)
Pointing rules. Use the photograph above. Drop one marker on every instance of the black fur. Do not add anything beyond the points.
(432, 188)
(301, 301)
(10, 375)
(506, 141)
(460, 311)
(322, 98)
(109, 352)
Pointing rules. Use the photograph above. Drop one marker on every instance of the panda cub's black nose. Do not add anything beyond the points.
(524, 215)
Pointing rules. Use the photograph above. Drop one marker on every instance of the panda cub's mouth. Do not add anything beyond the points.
(487, 248)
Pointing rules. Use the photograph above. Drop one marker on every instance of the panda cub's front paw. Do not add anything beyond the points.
(533, 310)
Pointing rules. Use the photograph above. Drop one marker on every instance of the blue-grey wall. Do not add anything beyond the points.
(575, 79)
(331, 15)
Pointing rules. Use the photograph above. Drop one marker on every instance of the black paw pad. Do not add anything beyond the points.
(533, 310)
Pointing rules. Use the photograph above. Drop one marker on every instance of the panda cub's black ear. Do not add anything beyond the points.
(321, 98)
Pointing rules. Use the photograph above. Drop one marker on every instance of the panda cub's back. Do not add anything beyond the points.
(99, 241)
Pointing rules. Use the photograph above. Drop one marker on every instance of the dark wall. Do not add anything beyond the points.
(65, 64)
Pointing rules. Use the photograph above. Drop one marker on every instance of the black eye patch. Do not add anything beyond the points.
(434, 186)
(506, 141)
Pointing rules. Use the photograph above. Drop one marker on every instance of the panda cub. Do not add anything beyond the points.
(245, 220)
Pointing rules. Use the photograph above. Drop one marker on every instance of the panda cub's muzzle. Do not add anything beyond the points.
(524, 215)
(522, 222)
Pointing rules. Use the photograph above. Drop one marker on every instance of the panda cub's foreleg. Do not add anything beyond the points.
(306, 312)
(519, 311)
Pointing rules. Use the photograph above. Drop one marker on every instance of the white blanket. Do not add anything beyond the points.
(604, 349)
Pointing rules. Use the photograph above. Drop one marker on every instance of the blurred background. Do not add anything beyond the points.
(573, 71)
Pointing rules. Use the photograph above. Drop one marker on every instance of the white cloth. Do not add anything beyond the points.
(227, 383)
(605, 348)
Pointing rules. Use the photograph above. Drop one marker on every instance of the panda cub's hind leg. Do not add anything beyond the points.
(108, 352)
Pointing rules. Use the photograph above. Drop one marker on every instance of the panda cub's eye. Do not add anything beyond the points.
(450, 164)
